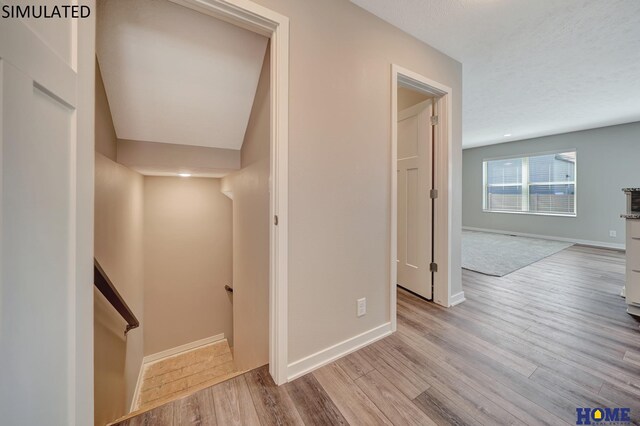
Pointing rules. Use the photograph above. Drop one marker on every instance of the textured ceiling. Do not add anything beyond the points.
(532, 67)
(177, 76)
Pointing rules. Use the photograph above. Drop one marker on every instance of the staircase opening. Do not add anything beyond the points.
(182, 374)
(182, 208)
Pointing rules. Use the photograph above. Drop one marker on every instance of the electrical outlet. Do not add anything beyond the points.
(613, 234)
(362, 306)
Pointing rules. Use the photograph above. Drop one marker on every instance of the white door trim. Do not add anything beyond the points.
(443, 182)
(256, 18)
(85, 60)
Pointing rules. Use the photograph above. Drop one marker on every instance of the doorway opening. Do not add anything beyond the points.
(263, 21)
(415, 192)
(162, 163)
(420, 186)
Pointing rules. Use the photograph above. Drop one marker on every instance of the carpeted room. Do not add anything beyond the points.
(500, 254)
(548, 209)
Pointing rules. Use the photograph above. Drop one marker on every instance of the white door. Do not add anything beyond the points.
(414, 203)
(46, 223)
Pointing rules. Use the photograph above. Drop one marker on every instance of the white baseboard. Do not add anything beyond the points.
(633, 310)
(149, 359)
(183, 348)
(457, 299)
(330, 354)
(599, 244)
(136, 392)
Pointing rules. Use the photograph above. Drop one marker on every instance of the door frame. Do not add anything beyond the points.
(258, 19)
(443, 182)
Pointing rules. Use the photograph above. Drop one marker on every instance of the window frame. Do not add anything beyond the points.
(526, 184)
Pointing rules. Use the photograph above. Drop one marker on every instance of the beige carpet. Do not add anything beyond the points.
(499, 255)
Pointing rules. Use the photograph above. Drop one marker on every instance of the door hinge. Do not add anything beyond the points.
(433, 193)
(434, 120)
(275, 220)
(433, 267)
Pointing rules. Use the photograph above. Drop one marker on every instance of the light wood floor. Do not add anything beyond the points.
(169, 378)
(527, 348)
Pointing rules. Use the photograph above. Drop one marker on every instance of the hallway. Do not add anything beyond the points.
(558, 339)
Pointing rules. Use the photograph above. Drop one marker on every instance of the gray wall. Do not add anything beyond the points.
(251, 226)
(187, 261)
(118, 246)
(339, 175)
(119, 249)
(608, 159)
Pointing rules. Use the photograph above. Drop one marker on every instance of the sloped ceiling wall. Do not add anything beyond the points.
(173, 75)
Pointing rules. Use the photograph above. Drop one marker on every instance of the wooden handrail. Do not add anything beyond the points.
(109, 291)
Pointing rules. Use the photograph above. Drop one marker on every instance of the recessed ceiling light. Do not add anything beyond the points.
(184, 174)
(507, 135)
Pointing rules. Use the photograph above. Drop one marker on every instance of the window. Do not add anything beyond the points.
(540, 184)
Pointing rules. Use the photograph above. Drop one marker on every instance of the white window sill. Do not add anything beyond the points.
(570, 215)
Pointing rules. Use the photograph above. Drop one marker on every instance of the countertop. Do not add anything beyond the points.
(630, 216)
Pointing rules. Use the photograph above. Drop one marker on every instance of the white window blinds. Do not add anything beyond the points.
(542, 184)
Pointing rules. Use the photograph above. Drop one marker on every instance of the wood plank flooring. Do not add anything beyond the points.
(527, 348)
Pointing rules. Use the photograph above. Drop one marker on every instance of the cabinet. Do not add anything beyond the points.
(632, 277)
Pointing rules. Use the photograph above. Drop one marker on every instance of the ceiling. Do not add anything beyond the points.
(532, 68)
(177, 76)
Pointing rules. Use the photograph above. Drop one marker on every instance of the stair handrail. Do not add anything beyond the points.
(105, 285)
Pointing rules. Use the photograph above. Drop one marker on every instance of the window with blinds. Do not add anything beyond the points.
(540, 184)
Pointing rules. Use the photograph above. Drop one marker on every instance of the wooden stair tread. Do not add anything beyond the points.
(177, 396)
(183, 374)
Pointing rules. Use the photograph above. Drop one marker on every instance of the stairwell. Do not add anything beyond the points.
(181, 375)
